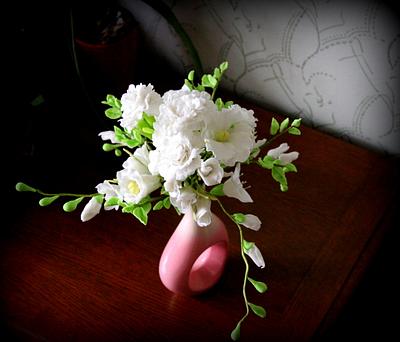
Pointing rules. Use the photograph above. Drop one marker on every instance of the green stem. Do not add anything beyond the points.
(246, 272)
(65, 194)
(274, 138)
(170, 17)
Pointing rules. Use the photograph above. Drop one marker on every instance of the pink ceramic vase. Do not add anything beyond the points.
(194, 257)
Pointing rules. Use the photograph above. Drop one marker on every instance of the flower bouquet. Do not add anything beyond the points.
(185, 149)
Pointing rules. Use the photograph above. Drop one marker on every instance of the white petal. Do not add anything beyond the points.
(202, 211)
(287, 158)
(234, 188)
(91, 209)
(211, 172)
(108, 135)
(252, 222)
(255, 255)
(276, 152)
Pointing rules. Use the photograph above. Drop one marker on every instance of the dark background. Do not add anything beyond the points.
(52, 116)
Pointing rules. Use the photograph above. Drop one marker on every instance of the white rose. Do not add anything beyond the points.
(135, 101)
(202, 211)
(176, 159)
(182, 199)
(233, 187)
(211, 171)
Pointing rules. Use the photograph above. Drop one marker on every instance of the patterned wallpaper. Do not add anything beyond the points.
(334, 63)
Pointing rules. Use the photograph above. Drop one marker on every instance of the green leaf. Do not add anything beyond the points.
(228, 104)
(149, 119)
(148, 130)
(258, 310)
(188, 84)
(48, 200)
(267, 162)
(219, 103)
(217, 190)
(159, 205)
(22, 187)
(71, 205)
(279, 175)
(191, 75)
(259, 285)
(274, 127)
(111, 202)
(140, 214)
(118, 152)
(284, 187)
(213, 81)
(239, 217)
(247, 245)
(294, 131)
(235, 334)
(167, 203)
(113, 113)
(290, 168)
(296, 122)
(99, 198)
(284, 125)
(224, 66)
(146, 207)
(217, 73)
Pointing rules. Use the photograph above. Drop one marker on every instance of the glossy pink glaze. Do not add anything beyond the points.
(194, 257)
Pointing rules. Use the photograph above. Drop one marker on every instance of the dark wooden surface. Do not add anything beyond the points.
(63, 280)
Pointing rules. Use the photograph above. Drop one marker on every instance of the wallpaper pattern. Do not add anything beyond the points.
(334, 63)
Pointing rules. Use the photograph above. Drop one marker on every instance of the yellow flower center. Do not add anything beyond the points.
(222, 136)
(133, 187)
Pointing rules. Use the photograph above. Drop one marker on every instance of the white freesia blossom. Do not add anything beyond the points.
(233, 187)
(252, 222)
(279, 153)
(108, 135)
(211, 172)
(229, 134)
(202, 211)
(183, 198)
(91, 209)
(254, 253)
(135, 101)
(135, 180)
(109, 190)
(176, 159)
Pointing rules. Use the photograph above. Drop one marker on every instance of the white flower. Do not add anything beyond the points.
(234, 188)
(211, 172)
(252, 222)
(135, 101)
(182, 199)
(183, 112)
(202, 211)
(91, 209)
(254, 253)
(109, 190)
(279, 153)
(135, 181)
(230, 134)
(108, 135)
(177, 159)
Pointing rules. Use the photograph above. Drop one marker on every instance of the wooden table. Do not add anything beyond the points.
(98, 281)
